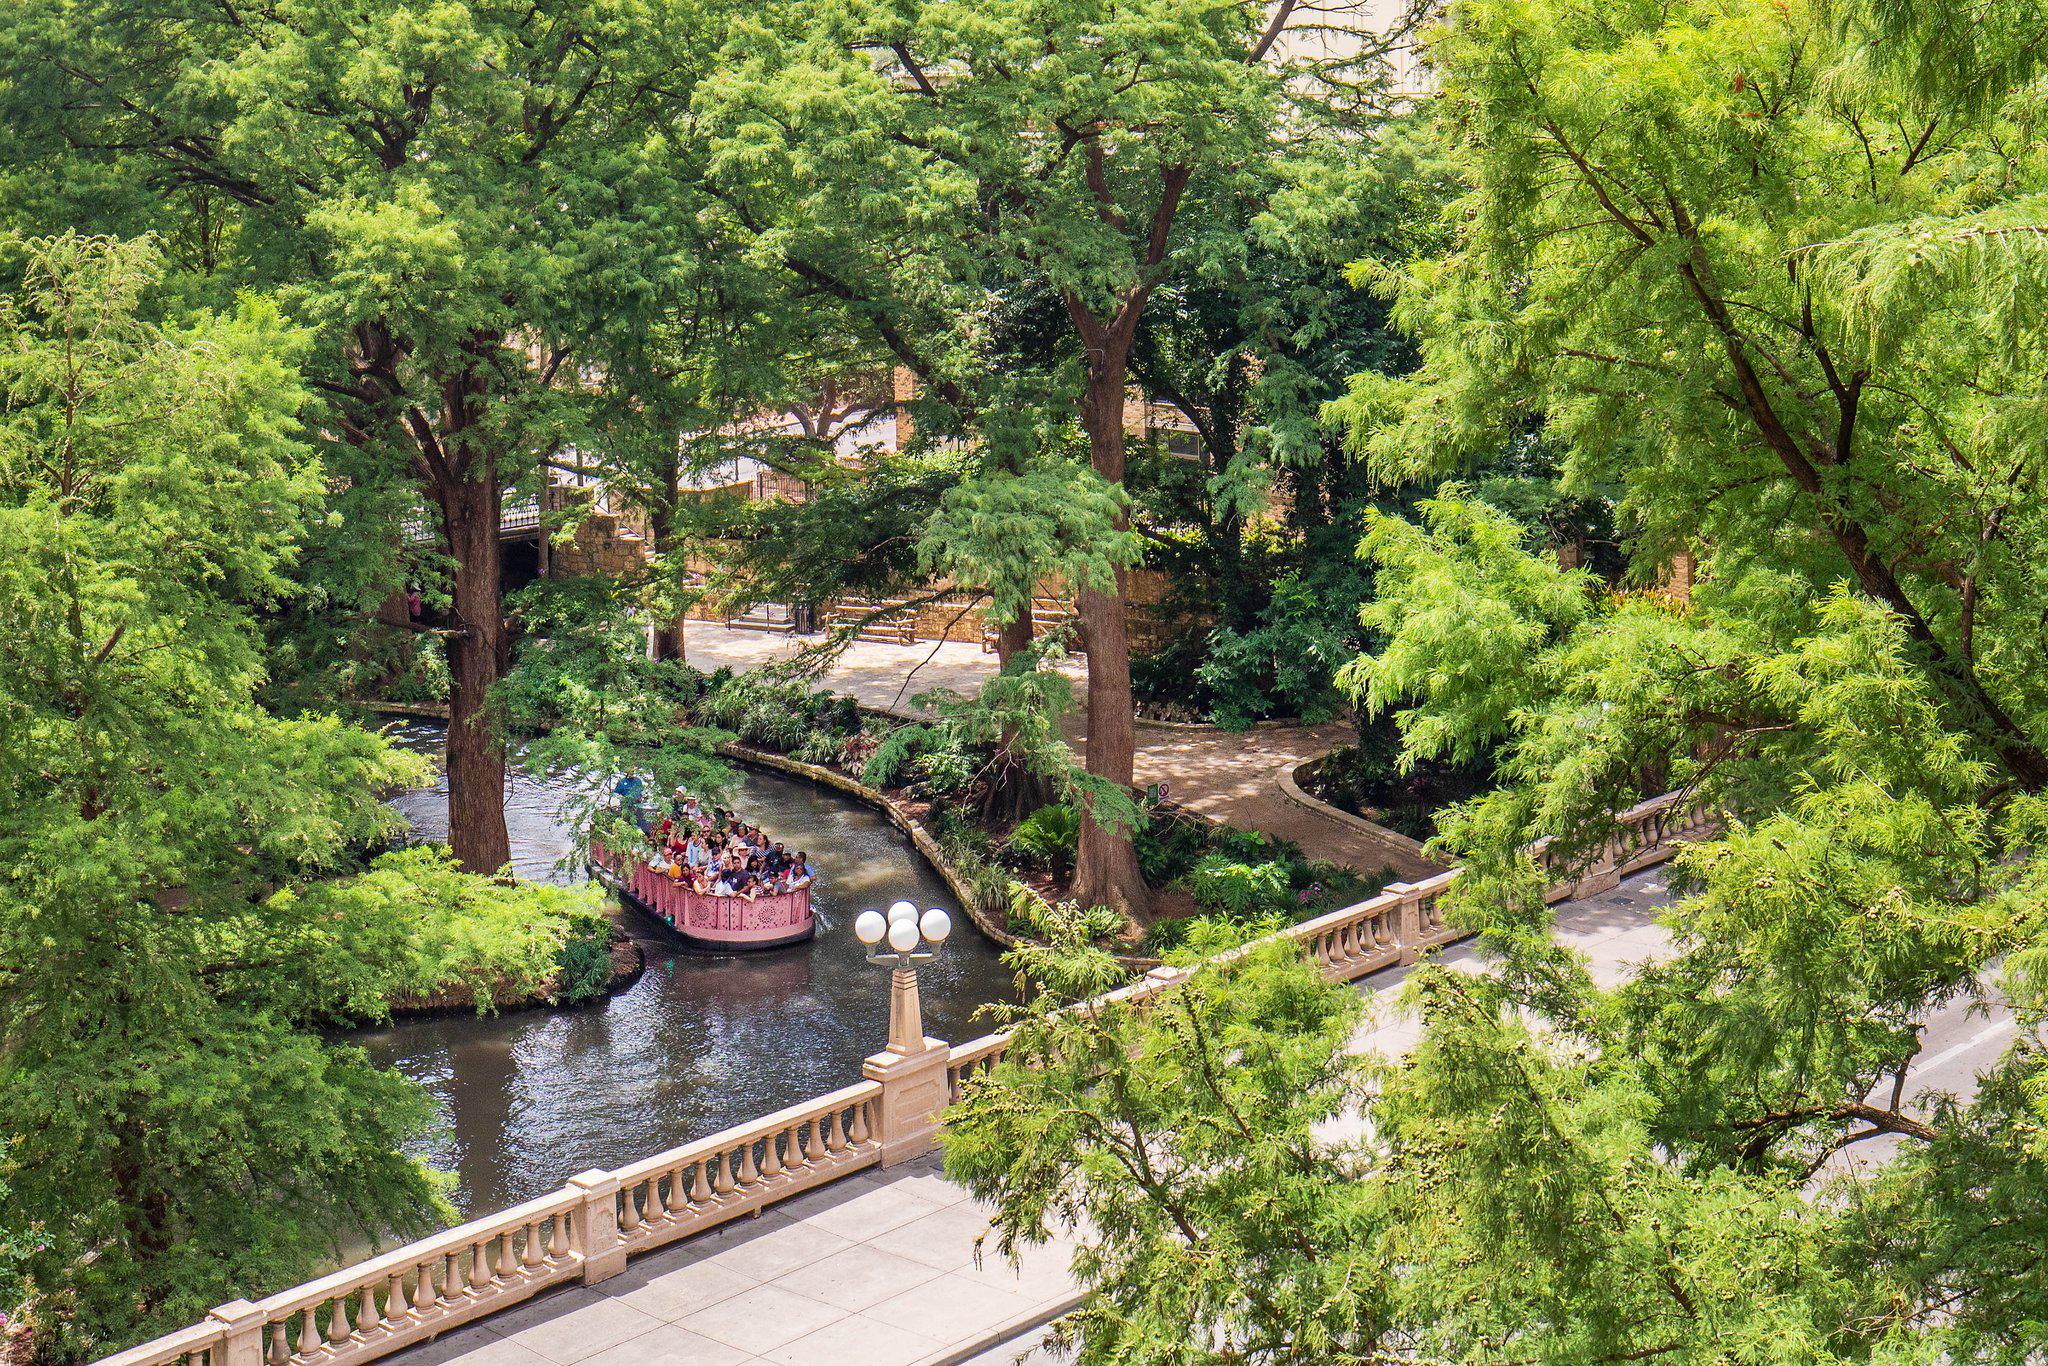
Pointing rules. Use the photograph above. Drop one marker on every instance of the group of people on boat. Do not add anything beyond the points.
(715, 853)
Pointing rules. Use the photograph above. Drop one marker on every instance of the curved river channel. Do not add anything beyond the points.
(698, 1043)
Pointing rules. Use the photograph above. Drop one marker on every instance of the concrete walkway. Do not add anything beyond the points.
(1230, 776)
(876, 1269)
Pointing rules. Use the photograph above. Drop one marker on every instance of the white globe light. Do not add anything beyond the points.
(869, 927)
(903, 935)
(936, 925)
(902, 910)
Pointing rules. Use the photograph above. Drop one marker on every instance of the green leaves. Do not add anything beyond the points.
(171, 1125)
(1187, 1137)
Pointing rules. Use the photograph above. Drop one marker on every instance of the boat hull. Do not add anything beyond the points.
(709, 924)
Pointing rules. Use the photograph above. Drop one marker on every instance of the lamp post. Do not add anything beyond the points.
(912, 1069)
(906, 935)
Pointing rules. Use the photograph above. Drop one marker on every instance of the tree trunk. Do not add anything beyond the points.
(669, 640)
(479, 653)
(1106, 871)
(1013, 639)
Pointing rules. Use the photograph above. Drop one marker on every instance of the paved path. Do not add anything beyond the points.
(1229, 776)
(876, 1269)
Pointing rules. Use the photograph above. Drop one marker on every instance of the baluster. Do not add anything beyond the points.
(280, 1351)
(558, 1237)
(749, 1173)
(833, 1142)
(771, 1157)
(529, 1252)
(309, 1333)
(394, 1297)
(367, 1317)
(700, 1184)
(721, 1185)
(860, 1124)
(480, 1275)
(456, 1288)
(814, 1149)
(337, 1320)
(793, 1155)
(504, 1268)
(423, 1295)
(629, 1208)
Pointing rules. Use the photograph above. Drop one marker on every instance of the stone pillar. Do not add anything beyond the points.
(906, 1015)
(1411, 920)
(596, 1225)
(913, 1097)
(243, 1343)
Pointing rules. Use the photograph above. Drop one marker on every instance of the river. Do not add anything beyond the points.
(530, 1098)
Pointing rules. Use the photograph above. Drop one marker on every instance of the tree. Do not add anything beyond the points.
(466, 202)
(1753, 265)
(1186, 1137)
(1082, 143)
(173, 1136)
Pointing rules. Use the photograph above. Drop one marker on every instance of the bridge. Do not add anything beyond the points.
(825, 1231)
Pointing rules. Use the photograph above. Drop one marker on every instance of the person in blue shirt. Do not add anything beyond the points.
(630, 791)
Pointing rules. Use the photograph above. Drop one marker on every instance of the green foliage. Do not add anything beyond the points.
(582, 686)
(1168, 847)
(583, 965)
(1286, 663)
(1012, 529)
(415, 927)
(1188, 1138)
(1059, 923)
(888, 765)
(1048, 837)
(1224, 887)
(177, 1141)
(1754, 267)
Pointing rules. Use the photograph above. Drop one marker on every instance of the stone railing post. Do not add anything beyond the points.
(243, 1343)
(1410, 920)
(596, 1225)
(913, 1097)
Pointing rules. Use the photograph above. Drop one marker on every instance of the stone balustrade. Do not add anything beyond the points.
(591, 1226)
(699, 1185)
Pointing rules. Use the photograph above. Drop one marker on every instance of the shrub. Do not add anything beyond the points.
(1196, 936)
(1168, 848)
(818, 748)
(1286, 664)
(947, 772)
(1057, 922)
(1223, 886)
(583, 968)
(1048, 838)
(415, 925)
(890, 762)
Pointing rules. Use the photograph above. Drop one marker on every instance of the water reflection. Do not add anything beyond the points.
(697, 1043)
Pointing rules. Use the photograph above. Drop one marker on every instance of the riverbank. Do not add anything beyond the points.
(628, 961)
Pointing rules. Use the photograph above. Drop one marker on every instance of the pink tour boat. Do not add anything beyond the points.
(718, 924)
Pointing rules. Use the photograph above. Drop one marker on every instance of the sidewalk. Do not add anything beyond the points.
(876, 1269)
(1230, 776)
